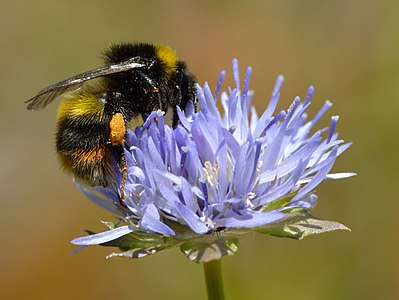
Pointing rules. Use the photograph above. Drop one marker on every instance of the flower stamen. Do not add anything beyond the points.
(211, 174)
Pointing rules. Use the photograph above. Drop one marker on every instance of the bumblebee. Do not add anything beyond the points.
(93, 118)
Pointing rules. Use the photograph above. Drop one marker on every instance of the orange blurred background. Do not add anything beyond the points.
(348, 49)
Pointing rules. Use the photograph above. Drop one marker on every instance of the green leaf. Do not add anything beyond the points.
(279, 203)
(137, 241)
(110, 225)
(206, 249)
(300, 225)
(141, 252)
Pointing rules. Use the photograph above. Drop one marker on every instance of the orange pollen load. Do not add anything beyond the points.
(118, 129)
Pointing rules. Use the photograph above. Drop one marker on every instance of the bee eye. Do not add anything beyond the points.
(179, 75)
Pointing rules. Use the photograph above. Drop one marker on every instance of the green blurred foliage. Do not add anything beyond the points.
(348, 49)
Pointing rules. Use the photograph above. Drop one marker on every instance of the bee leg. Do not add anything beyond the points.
(175, 120)
(119, 154)
(122, 165)
(195, 104)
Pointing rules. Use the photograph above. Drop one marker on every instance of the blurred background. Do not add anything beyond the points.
(348, 49)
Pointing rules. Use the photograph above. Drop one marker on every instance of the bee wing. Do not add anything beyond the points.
(47, 95)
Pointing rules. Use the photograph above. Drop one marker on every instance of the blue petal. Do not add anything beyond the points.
(149, 120)
(291, 162)
(150, 221)
(236, 73)
(168, 196)
(204, 139)
(102, 197)
(244, 169)
(271, 107)
(284, 188)
(245, 98)
(103, 237)
(334, 121)
(223, 175)
(211, 104)
(232, 143)
(250, 220)
(306, 202)
(172, 178)
(184, 121)
(219, 84)
(192, 220)
(340, 175)
(187, 194)
(190, 110)
(320, 176)
(273, 151)
(155, 155)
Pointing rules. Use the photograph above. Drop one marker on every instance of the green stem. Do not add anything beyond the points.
(213, 279)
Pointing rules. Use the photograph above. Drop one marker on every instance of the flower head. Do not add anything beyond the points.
(215, 174)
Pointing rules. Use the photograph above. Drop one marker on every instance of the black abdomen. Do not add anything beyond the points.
(81, 139)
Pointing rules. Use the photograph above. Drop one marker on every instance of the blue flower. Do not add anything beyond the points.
(214, 175)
